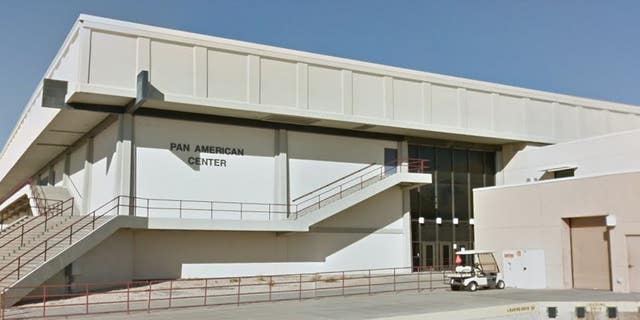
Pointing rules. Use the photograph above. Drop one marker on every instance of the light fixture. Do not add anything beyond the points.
(455, 220)
(421, 220)
(455, 246)
(611, 220)
(438, 220)
(472, 221)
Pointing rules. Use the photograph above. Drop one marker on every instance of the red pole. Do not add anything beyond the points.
(128, 289)
(44, 303)
(206, 286)
(170, 292)
(239, 279)
(394, 279)
(300, 287)
(86, 292)
(149, 299)
(270, 285)
(369, 281)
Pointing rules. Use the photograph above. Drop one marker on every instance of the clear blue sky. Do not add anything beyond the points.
(583, 48)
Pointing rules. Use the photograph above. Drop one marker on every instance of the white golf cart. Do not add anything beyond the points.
(475, 269)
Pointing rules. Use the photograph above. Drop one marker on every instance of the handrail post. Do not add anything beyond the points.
(44, 301)
(86, 293)
(270, 286)
(180, 209)
(269, 210)
(93, 222)
(149, 298)
(128, 299)
(300, 288)
(240, 210)
(206, 286)
(419, 278)
(45, 249)
(19, 267)
(170, 292)
(394, 279)
(342, 283)
(118, 207)
(147, 207)
(70, 234)
(369, 281)
(239, 280)
(211, 210)
(22, 236)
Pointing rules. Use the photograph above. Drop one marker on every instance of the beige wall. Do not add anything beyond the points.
(530, 216)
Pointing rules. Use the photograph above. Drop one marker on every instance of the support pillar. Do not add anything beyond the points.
(281, 187)
(88, 175)
(126, 158)
(403, 156)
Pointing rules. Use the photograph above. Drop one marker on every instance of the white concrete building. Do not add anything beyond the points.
(186, 155)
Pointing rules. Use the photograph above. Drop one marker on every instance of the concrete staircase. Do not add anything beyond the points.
(36, 248)
(48, 196)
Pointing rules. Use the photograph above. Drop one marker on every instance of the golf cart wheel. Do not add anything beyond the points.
(472, 287)
(500, 285)
(455, 288)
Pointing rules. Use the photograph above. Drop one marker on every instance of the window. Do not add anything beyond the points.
(566, 173)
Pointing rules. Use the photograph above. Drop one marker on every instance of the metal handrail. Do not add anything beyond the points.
(47, 216)
(334, 181)
(45, 242)
(381, 172)
(149, 295)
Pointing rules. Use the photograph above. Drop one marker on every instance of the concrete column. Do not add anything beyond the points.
(403, 155)
(67, 169)
(406, 229)
(281, 187)
(86, 188)
(126, 159)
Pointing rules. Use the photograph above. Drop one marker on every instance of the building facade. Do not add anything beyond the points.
(195, 156)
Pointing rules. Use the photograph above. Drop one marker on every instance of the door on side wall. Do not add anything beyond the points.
(590, 253)
(633, 255)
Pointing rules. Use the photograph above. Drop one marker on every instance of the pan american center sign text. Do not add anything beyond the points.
(203, 161)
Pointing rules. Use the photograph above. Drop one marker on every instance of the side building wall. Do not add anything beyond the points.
(534, 215)
(591, 156)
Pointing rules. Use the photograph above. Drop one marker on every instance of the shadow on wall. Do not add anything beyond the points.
(161, 254)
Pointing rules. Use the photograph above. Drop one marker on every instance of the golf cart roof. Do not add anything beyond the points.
(466, 252)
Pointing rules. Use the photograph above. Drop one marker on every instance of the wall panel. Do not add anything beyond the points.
(227, 75)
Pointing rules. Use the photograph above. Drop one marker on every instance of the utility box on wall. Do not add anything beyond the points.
(524, 268)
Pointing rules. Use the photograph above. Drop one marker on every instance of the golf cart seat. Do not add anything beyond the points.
(464, 269)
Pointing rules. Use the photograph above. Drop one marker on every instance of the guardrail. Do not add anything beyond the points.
(57, 209)
(41, 249)
(145, 296)
(333, 192)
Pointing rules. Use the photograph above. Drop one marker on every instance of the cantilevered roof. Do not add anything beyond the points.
(101, 62)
